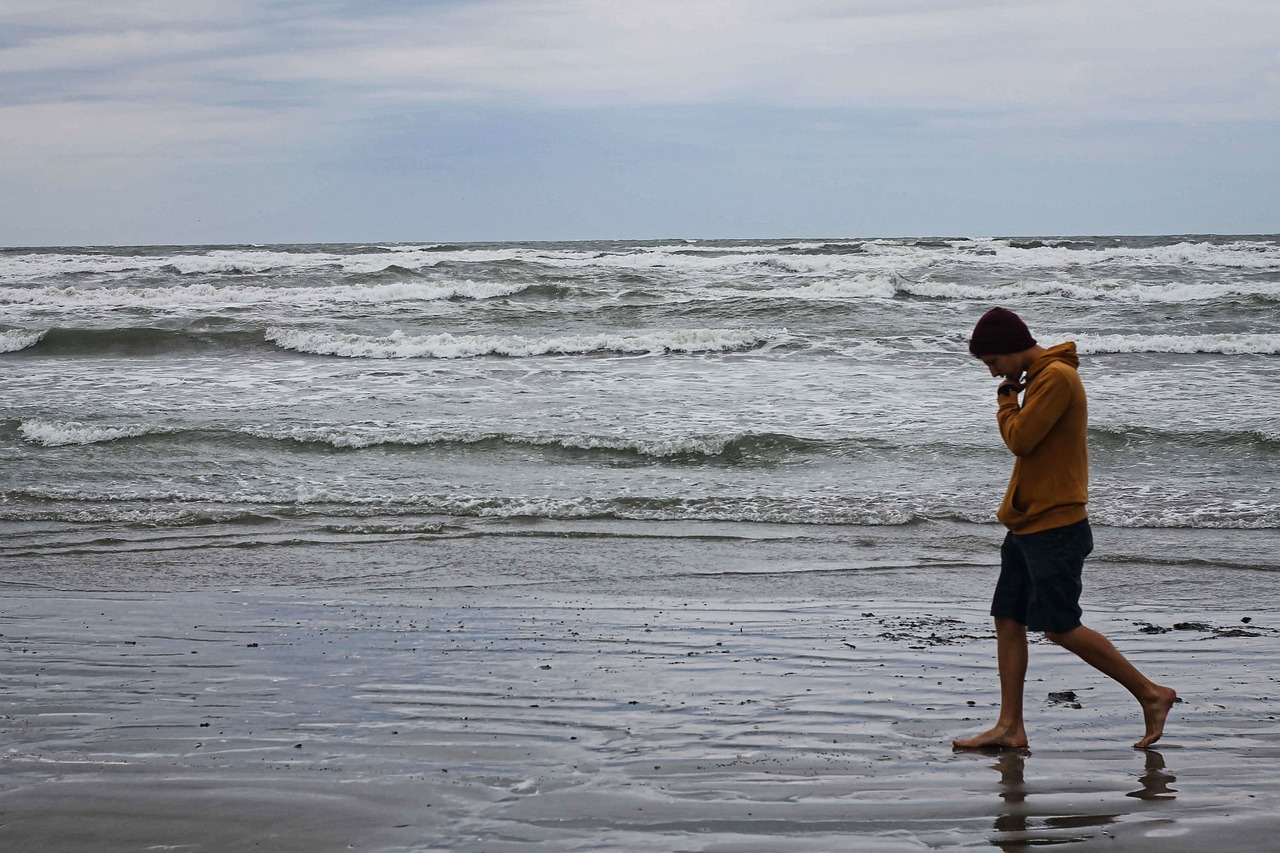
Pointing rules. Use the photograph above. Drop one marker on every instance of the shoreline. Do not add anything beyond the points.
(487, 721)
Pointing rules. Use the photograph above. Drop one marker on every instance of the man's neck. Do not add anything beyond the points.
(1027, 357)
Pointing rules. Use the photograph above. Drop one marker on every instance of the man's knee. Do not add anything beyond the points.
(1007, 626)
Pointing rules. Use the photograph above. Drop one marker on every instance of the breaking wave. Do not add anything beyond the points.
(727, 447)
(896, 286)
(13, 340)
(1256, 439)
(400, 345)
(182, 508)
(206, 297)
(141, 340)
(1226, 344)
(64, 433)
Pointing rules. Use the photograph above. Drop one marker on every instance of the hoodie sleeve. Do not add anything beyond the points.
(1023, 427)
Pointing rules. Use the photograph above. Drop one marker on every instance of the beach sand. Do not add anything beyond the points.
(266, 720)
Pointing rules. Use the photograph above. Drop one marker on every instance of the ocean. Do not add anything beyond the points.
(753, 417)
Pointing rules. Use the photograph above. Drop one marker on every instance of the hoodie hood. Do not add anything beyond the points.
(1064, 353)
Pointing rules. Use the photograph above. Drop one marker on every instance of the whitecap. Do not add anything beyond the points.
(356, 436)
(1226, 344)
(857, 287)
(63, 433)
(873, 286)
(12, 340)
(400, 345)
(209, 296)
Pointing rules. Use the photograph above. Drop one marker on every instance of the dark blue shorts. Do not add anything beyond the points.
(1039, 583)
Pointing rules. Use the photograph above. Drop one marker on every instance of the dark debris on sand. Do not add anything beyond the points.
(1208, 628)
(1065, 697)
(927, 630)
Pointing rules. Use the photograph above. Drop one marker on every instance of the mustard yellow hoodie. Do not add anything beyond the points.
(1050, 483)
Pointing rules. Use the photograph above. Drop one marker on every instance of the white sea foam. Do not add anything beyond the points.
(215, 261)
(37, 266)
(1055, 254)
(375, 434)
(1244, 515)
(883, 269)
(406, 257)
(857, 287)
(42, 266)
(400, 345)
(875, 255)
(184, 505)
(63, 433)
(13, 340)
(1143, 267)
(1239, 254)
(892, 285)
(209, 296)
(1227, 344)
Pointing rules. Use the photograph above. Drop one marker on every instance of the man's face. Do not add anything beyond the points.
(1005, 364)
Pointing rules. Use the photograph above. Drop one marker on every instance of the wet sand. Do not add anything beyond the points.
(258, 720)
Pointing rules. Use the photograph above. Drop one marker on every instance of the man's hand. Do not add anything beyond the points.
(1009, 386)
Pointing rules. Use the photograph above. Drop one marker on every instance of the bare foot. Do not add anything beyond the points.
(1000, 735)
(1154, 713)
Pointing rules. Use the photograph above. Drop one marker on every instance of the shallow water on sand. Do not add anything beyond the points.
(226, 721)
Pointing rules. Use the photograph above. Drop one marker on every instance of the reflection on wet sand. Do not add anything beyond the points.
(1019, 829)
(1155, 781)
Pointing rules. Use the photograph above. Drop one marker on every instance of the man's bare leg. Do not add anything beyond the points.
(1097, 651)
(1011, 655)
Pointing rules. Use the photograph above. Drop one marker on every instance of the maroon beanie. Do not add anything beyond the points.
(1000, 331)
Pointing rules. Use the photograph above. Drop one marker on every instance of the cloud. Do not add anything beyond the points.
(253, 68)
(1167, 60)
(165, 89)
(1151, 60)
(73, 137)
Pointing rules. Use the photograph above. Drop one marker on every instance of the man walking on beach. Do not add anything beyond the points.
(1049, 535)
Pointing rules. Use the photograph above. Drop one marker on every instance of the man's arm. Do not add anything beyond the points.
(1023, 427)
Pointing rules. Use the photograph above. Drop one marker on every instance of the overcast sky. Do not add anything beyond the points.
(217, 121)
